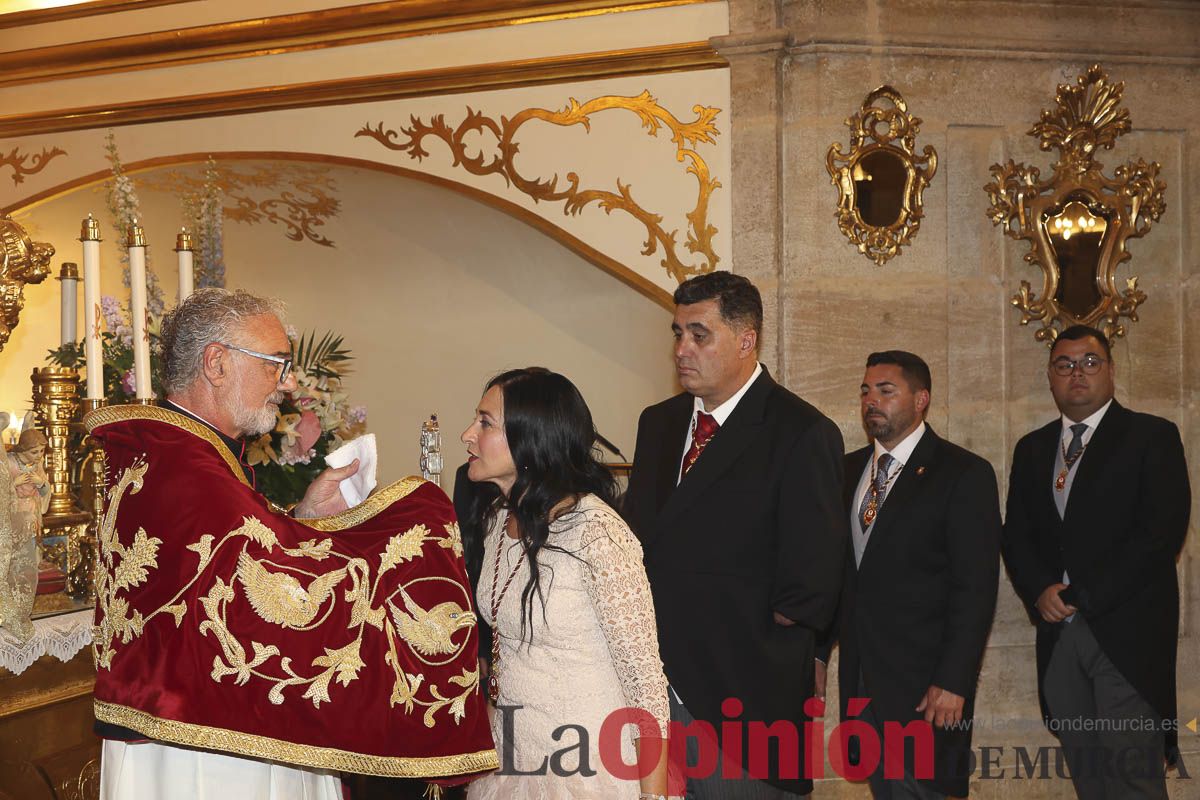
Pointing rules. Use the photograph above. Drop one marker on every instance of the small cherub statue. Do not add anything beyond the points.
(20, 522)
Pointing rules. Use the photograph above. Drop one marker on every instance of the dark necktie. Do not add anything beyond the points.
(875, 492)
(1075, 448)
(702, 431)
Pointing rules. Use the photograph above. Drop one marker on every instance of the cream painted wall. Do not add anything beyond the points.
(433, 291)
(618, 149)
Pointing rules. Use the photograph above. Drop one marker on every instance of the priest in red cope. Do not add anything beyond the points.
(242, 651)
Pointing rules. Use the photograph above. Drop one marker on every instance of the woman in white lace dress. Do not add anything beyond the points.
(563, 587)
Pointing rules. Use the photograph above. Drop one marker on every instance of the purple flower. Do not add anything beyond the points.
(128, 384)
(110, 307)
(357, 413)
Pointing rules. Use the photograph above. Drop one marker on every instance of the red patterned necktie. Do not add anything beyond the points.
(703, 428)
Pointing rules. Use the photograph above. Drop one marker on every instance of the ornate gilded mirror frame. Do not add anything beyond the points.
(1113, 210)
(881, 130)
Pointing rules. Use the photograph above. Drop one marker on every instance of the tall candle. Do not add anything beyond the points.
(183, 247)
(90, 237)
(69, 283)
(137, 310)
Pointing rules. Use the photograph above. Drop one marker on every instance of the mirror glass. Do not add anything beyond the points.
(1076, 233)
(879, 182)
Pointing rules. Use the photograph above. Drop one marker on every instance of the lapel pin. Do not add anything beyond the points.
(920, 470)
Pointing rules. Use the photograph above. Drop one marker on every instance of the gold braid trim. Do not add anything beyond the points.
(264, 747)
(107, 415)
(362, 512)
(367, 508)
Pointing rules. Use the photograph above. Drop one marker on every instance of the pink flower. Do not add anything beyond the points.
(307, 430)
(128, 384)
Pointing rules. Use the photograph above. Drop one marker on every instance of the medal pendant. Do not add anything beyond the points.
(493, 681)
(869, 514)
(1061, 481)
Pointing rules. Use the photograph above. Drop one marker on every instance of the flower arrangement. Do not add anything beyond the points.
(125, 207)
(312, 421)
(117, 348)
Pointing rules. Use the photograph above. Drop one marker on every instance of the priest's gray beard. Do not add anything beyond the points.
(254, 421)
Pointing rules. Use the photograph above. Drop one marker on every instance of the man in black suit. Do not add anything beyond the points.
(1098, 508)
(735, 494)
(921, 581)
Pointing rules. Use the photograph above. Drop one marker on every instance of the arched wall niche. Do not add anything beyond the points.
(435, 286)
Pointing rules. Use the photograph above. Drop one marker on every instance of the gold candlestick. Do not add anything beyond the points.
(55, 408)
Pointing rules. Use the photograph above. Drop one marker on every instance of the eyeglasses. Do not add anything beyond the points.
(1089, 365)
(285, 362)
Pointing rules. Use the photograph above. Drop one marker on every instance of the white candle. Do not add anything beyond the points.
(90, 237)
(69, 284)
(137, 310)
(183, 248)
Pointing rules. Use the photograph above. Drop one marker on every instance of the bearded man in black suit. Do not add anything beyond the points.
(921, 583)
(1098, 508)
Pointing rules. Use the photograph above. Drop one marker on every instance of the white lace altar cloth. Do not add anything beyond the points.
(61, 636)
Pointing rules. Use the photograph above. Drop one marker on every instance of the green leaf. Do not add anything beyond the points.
(324, 358)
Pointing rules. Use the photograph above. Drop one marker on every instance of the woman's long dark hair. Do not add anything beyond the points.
(552, 440)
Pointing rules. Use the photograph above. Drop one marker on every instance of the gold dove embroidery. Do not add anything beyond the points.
(429, 632)
(279, 598)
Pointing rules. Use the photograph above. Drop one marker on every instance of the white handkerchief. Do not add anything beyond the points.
(356, 488)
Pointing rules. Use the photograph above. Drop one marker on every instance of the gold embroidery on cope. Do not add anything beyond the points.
(294, 599)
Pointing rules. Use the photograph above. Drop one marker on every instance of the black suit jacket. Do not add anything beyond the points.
(1125, 523)
(756, 526)
(916, 612)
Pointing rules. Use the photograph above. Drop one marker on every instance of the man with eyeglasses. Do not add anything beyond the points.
(246, 652)
(1098, 508)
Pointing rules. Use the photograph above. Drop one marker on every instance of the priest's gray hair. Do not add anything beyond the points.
(207, 316)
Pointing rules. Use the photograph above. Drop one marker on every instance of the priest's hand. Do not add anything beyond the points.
(941, 708)
(323, 497)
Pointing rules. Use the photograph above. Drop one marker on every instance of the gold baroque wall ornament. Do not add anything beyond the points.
(299, 197)
(17, 161)
(1078, 221)
(881, 180)
(22, 262)
(685, 135)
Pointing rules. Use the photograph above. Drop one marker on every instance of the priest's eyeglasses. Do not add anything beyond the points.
(1088, 365)
(285, 362)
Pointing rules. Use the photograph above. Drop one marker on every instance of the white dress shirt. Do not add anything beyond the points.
(1064, 442)
(902, 452)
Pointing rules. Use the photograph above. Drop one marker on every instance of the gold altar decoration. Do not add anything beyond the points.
(881, 179)
(685, 135)
(56, 407)
(1078, 221)
(57, 413)
(23, 262)
(16, 160)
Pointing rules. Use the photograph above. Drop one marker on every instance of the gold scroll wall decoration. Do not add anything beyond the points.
(17, 161)
(22, 262)
(299, 197)
(1078, 221)
(686, 136)
(881, 180)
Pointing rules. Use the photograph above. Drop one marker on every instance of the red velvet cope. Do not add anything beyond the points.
(230, 652)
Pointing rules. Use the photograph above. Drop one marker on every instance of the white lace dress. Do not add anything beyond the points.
(595, 652)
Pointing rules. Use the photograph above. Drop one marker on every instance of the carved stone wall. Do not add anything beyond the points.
(978, 73)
